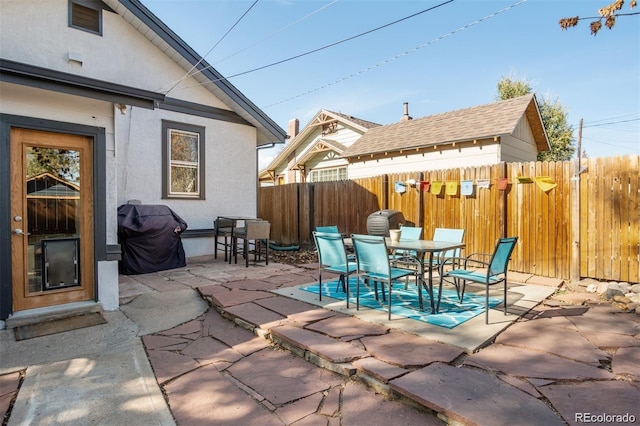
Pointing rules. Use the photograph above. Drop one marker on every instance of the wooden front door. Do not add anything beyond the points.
(52, 257)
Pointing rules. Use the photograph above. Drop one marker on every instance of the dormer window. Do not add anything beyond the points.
(86, 15)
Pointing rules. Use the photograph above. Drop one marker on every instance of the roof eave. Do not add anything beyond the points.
(405, 150)
(268, 130)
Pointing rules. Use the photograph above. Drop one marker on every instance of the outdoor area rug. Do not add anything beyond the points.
(405, 303)
(29, 331)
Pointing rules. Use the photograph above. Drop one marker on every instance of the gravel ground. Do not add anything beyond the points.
(295, 257)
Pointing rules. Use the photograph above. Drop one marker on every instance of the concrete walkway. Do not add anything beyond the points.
(258, 356)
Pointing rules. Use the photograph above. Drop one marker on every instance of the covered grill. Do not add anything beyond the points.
(150, 238)
(379, 222)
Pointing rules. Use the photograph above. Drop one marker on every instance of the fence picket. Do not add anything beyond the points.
(609, 219)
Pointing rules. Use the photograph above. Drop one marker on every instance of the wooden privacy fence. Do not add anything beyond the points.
(570, 225)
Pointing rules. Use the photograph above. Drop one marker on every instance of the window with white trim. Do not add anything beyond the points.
(328, 175)
(183, 161)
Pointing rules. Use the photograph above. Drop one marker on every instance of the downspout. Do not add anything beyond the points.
(258, 148)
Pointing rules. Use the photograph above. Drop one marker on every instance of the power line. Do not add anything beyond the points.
(326, 46)
(214, 46)
(615, 117)
(599, 142)
(276, 32)
(611, 122)
(408, 52)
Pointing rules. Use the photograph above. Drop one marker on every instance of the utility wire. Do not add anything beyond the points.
(328, 45)
(210, 50)
(275, 33)
(611, 122)
(408, 52)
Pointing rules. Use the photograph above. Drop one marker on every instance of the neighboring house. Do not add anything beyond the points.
(505, 131)
(101, 103)
(313, 155)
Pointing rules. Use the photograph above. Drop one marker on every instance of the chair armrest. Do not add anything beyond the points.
(467, 262)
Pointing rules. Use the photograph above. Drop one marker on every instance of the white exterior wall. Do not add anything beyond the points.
(37, 103)
(521, 146)
(121, 55)
(466, 155)
(133, 141)
(229, 189)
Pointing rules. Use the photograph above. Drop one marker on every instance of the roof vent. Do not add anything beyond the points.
(406, 116)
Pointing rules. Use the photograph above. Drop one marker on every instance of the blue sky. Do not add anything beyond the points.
(437, 61)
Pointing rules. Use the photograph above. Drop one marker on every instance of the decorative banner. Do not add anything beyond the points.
(466, 187)
(452, 187)
(436, 187)
(503, 183)
(425, 185)
(400, 187)
(483, 183)
(546, 183)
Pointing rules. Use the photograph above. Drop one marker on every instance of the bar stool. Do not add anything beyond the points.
(222, 229)
(256, 231)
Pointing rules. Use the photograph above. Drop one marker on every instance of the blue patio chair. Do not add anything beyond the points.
(408, 233)
(374, 265)
(447, 234)
(332, 257)
(331, 229)
(407, 258)
(473, 268)
(334, 229)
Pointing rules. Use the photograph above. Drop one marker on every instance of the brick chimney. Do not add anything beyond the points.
(294, 127)
(406, 116)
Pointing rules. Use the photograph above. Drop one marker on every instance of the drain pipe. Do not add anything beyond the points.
(258, 148)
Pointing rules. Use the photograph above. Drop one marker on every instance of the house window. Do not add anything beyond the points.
(183, 161)
(328, 175)
(86, 15)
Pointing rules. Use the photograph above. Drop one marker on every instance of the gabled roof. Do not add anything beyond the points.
(475, 123)
(151, 27)
(322, 117)
(46, 185)
(355, 120)
(321, 145)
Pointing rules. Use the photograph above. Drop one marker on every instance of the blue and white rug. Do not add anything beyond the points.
(405, 303)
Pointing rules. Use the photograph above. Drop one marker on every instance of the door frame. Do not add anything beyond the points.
(98, 134)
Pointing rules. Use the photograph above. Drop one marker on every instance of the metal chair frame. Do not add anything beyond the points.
(333, 257)
(374, 264)
(472, 268)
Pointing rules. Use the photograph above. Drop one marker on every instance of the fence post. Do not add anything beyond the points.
(385, 192)
(575, 224)
(503, 215)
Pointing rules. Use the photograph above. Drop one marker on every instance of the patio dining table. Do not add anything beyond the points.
(419, 250)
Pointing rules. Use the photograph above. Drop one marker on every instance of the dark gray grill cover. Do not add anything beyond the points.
(379, 223)
(149, 236)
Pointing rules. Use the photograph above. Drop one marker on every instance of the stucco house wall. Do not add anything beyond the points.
(136, 53)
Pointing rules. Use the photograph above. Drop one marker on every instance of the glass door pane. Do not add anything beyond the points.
(53, 202)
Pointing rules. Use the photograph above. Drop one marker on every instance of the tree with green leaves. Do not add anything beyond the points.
(554, 119)
(61, 163)
(608, 14)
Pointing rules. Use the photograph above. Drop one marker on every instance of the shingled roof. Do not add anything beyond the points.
(359, 121)
(475, 123)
